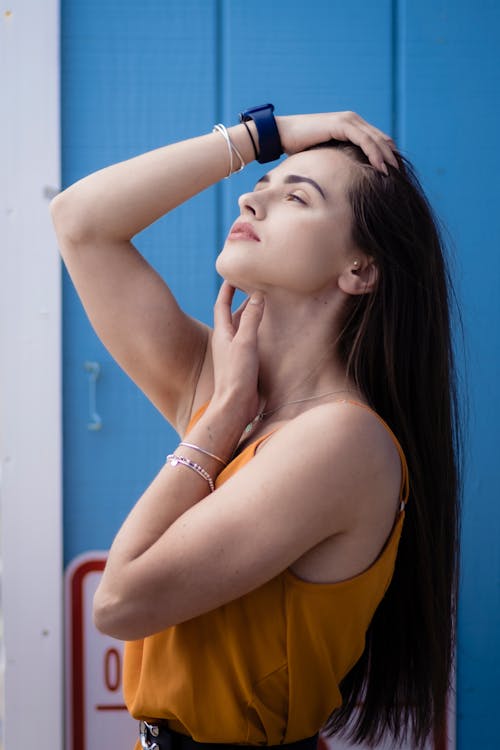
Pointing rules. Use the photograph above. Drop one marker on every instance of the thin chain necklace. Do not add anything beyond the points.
(263, 414)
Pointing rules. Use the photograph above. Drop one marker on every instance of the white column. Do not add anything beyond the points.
(30, 377)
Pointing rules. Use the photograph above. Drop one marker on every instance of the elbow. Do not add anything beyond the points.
(68, 218)
(104, 613)
(109, 616)
(125, 618)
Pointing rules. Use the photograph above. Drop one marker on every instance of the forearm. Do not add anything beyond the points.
(173, 492)
(175, 489)
(121, 200)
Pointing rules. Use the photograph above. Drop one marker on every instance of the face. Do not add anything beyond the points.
(294, 229)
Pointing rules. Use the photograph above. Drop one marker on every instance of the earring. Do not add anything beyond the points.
(355, 263)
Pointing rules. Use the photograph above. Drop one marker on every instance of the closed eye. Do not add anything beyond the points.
(295, 197)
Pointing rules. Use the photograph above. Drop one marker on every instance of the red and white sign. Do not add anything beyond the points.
(96, 716)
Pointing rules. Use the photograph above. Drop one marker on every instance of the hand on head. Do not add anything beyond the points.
(299, 132)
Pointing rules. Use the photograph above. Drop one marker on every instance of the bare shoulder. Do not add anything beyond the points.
(348, 447)
(342, 428)
(351, 476)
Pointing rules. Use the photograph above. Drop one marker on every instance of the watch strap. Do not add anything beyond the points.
(270, 147)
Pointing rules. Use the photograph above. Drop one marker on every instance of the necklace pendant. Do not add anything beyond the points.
(252, 424)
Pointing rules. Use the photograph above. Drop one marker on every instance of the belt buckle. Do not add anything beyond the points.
(146, 734)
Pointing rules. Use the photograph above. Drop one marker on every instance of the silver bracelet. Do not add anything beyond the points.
(220, 128)
(173, 459)
(202, 450)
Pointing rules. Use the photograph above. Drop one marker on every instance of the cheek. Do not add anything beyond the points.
(311, 244)
(314, 259)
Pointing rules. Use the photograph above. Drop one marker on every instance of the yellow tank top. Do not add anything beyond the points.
(265, 668)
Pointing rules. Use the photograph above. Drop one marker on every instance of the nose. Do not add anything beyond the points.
(250, 204)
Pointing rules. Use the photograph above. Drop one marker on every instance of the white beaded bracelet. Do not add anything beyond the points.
(173, 459)
(220, 128)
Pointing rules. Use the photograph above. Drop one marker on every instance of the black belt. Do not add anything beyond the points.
(156, 735)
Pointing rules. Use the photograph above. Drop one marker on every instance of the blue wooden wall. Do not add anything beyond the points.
(136, 76)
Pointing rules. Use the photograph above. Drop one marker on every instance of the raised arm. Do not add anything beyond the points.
(129, 305)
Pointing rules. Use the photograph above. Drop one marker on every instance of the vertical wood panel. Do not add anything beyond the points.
(135, 77)
(450, 77)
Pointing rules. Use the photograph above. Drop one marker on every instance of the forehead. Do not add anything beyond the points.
(331, 168)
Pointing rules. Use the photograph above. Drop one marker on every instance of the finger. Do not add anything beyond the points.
(386, 146)
(364, 139)
(250, 318)
(386, 138)
(237, 315)
(377, 133)
(222, 309)
(374, 142)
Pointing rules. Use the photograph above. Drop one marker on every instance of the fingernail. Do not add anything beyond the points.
(384, 169)
(257, 298)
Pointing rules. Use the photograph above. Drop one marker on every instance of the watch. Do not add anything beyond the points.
(270, 147)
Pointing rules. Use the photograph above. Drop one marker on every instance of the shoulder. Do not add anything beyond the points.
(344, 455)
(340, 427)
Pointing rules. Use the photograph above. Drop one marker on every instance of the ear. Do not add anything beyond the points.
(360, 276)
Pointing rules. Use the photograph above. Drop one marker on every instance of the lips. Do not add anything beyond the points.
(243, 230)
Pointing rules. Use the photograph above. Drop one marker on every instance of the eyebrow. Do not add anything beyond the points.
(294, 178)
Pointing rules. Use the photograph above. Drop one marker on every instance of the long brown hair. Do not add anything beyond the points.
(397, 345)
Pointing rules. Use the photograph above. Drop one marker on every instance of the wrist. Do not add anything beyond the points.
(241, 139)
(269, 140)
(218, 431)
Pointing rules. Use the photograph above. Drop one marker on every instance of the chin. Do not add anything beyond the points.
(233, 272)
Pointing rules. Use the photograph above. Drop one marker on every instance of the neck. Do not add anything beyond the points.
(297, 349)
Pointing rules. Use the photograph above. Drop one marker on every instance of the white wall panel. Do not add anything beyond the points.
(30, 392)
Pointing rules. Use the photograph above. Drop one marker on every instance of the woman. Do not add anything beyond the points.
(262, 558)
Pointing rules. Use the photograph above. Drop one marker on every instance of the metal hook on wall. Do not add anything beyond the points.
(94, 370)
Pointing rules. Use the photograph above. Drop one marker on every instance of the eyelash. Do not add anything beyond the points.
(297, 198)
(294, 196)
